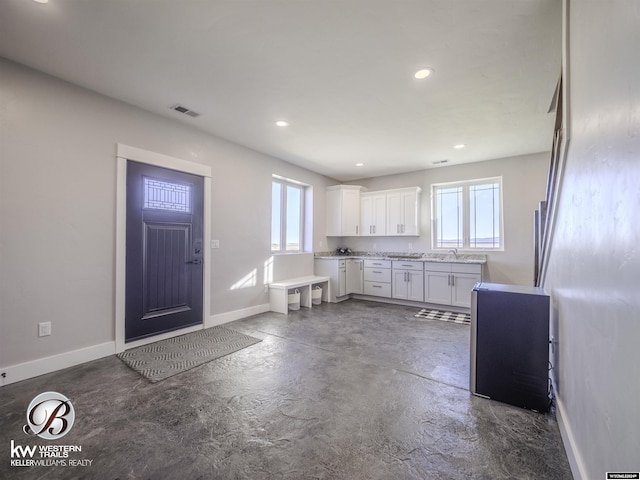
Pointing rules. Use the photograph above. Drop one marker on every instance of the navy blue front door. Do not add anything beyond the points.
(164, 265)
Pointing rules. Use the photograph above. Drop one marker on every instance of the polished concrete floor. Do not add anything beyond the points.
(358, 390)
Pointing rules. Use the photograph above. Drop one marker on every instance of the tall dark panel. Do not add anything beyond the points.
(510, 345)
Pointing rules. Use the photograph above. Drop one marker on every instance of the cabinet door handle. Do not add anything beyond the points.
(356, 229)
(374, 229)
(453, 280)
(448, 280)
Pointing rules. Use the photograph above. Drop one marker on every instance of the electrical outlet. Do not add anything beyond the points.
(410, 246)
(44, 329)
(215, 243)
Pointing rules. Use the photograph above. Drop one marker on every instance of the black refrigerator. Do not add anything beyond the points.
(510, 345)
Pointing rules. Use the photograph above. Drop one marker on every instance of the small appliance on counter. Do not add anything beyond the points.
(510, 345)
(343, 251)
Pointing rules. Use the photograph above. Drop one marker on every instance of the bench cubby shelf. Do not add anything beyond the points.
(279, 291)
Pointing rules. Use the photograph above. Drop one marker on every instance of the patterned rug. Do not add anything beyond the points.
(166, 358)
(454, 317)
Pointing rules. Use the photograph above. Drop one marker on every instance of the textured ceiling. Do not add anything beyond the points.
(340, 72)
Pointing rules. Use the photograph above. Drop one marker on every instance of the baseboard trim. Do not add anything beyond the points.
(409, 303)
(42, 366)
(573, 455)
(226, 317)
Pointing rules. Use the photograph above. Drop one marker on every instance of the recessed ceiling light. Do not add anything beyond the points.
(359, 164)
(282, 123)
(41, 1)
(459, 146)
(423, 73)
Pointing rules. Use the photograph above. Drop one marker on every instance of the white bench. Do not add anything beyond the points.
(279, 291)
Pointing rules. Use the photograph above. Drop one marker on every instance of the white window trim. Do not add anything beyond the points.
(466, 214)
(303, 212)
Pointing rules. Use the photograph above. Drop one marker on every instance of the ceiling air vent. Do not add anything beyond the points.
(438, 162)
(185, 110)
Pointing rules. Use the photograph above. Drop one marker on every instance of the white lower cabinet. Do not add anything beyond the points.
(437, 286)
(355, 274)
(429, 282)
(336, 270)
(346, 275)
(377, 278)
(408, 281)
(463, 283)
(450, 283)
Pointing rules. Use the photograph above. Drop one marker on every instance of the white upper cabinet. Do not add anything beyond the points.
(403, 212)
(373, 214)
(352, 212)
(343, 211)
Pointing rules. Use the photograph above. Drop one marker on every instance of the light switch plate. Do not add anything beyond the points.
(215, 243)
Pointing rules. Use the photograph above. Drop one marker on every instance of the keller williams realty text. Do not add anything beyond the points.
(50, 462)
(49, 456)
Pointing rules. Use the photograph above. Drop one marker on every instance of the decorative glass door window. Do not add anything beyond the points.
(161, 195)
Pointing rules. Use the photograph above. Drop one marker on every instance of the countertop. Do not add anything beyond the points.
(409, 257)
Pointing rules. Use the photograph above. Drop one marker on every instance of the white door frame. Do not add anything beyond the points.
(124, 153)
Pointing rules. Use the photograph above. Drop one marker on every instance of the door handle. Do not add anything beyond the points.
(196, 261)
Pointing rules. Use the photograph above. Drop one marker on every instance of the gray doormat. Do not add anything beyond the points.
(444, 316)
(166, 358)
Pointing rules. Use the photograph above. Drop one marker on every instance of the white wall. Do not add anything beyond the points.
(57, 211)
(524, 184)
(594, 269)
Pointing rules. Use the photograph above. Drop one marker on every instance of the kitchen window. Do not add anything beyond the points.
(467, 215)
(287, 215)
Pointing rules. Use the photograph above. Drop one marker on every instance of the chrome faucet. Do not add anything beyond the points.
(454, 251)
